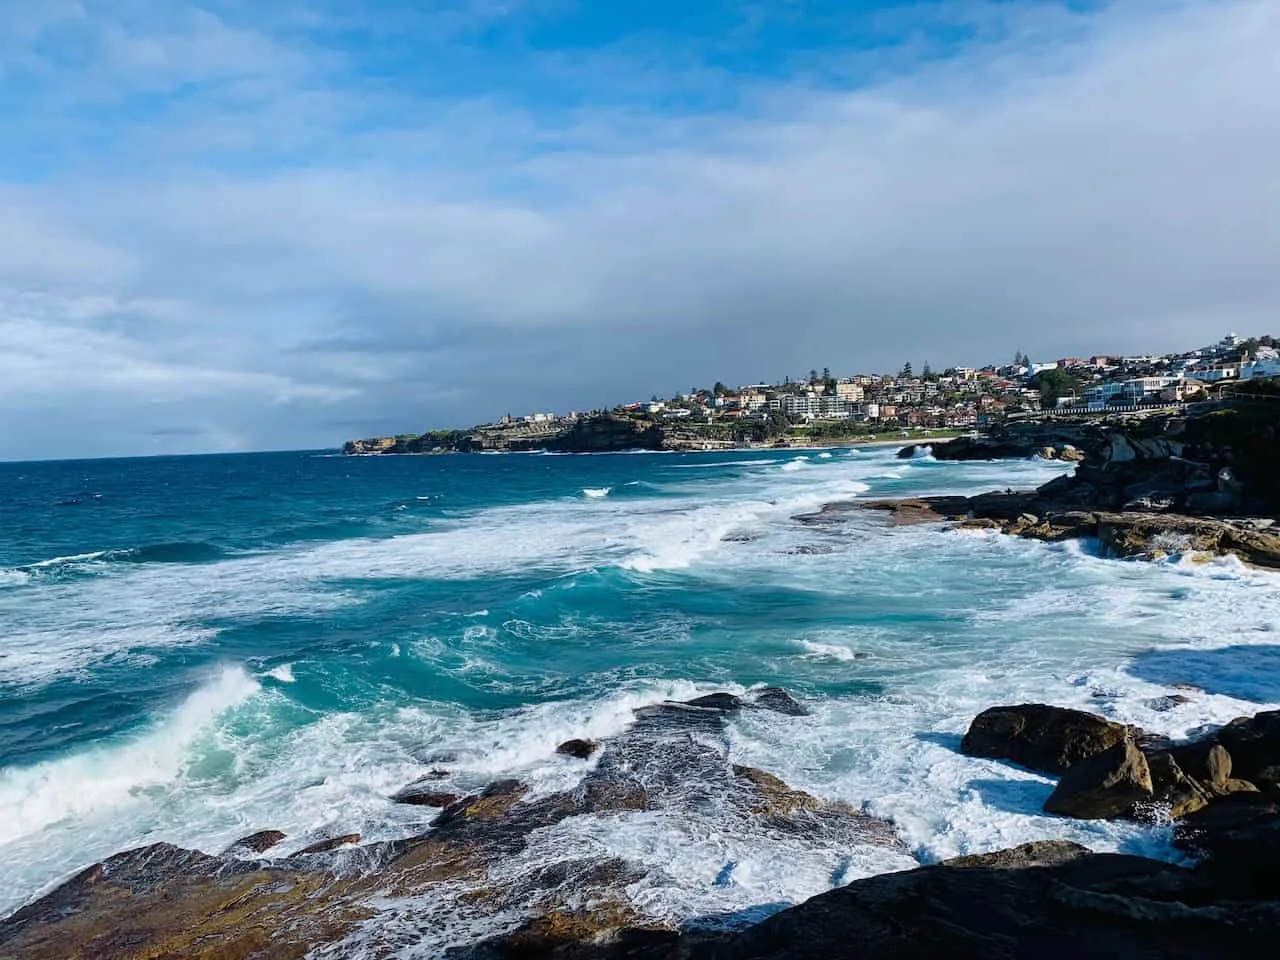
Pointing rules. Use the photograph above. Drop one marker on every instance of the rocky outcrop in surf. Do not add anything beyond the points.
(1040, 899)
(373, 899)
(1147, 488)
(1110, 770)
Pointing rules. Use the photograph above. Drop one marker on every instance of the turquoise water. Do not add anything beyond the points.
(195, 648)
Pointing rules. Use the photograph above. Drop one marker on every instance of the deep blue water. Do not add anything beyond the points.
(194, 647)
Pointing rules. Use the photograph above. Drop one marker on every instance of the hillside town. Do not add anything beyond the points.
(826, 407)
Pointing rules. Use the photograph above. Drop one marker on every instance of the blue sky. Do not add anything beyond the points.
(235, 225)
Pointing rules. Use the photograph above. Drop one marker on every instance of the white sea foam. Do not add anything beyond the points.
(825, 455)
(596, 493)
(827, 651)
(283, 673)
(949, 623)
(97, 783)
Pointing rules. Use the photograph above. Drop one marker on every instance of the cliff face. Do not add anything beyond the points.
(602, 433)
(1220, 461)
(607, 434)
(1207, 483)
(438, 442)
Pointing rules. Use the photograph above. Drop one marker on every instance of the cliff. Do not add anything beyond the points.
(1205, 483)
(599, 433)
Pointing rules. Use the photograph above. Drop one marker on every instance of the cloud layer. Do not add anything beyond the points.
(224, 232)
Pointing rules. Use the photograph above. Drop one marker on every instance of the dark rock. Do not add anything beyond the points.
(442, 756)
(426, 798)
(716, 701)
(1040, 737)
(1167, 703)
(1238, 837)
(1228, 813)
(779, 701)
(579, 749)
(1103, 787)
(1213, 501)
(1044, 900)
(492, 802)
(1174, 793)
(333, 843)
(1254, 744)
(1201, 760)
(256, 842)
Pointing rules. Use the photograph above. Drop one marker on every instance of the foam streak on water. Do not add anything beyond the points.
(215, 646)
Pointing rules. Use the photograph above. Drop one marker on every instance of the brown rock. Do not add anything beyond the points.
(256, 842)
(426, 798)
(1254, 744)
(333, 843)
(494, 801)
(1104, 786)
(776, 798)
(1040, 737)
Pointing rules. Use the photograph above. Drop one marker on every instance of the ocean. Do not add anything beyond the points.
(196, 648)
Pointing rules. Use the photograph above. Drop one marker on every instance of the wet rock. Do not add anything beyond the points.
(426, 798)
(1167, 703)
(1104, 786)
(811, 550)
(1202, 759)
(1238, 839)
(578, 749)
(775, 797)
(1254, 745)
(716, 701)
(779, 701)
(1043, 900)
(258, 842)
(608, 930)
(1040, 737)
(441, 756)
(1174, 794)
(333, 843)
(163, 901)
(491, 803)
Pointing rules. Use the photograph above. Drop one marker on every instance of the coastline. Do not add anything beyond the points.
(472, 833)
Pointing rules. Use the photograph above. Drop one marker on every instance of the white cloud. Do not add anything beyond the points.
(1071, 182)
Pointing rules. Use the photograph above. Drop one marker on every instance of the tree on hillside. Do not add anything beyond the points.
(906, 370)
(813, 376)
(719, 389)
(1052, 384)
(927, 372)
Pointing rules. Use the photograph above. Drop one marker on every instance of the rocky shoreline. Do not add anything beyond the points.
(1203, 485)
(339, 898)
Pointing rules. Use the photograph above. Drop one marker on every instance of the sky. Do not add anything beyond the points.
(237, 225)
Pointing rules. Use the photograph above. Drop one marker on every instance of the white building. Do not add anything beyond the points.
(806, 405)
(849, 391)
